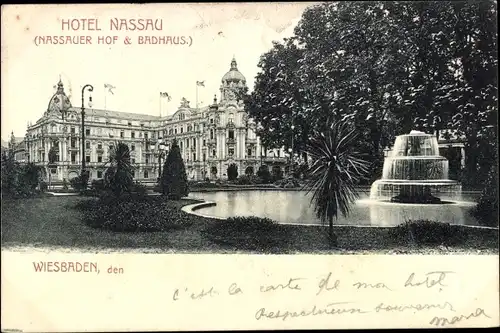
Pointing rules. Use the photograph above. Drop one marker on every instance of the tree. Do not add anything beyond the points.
(10, 174)
(336, 168)
(119, 176)
(232, 172)
(174, 178)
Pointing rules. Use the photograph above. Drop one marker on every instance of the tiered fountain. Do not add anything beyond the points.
(415, 173)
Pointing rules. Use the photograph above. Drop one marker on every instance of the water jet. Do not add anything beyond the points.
(415, 173)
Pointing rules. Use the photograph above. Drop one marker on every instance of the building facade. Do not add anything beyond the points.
(210, 138)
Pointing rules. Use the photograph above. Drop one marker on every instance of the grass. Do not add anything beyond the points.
(56, 222)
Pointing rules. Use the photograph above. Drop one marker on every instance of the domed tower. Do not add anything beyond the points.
(232, 83)
(59, 103)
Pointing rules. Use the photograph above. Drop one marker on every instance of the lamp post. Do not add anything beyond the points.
(90, 89)
(162, 148)
(291, 151)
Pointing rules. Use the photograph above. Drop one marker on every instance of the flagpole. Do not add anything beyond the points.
(196, 95)
(160, 104)
(105, 95)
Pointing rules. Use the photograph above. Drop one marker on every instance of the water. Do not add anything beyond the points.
(293, 207)
(414, 172)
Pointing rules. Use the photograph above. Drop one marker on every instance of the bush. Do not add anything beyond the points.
(425, 232)
(264, 174)
(250, 233)
(486, 211)
(174, 182)
(232, 172)
(139, 189)
(204, 185)
(133, 213)
(65, 184)
(277, 173)
(43, 186)
(247, 180)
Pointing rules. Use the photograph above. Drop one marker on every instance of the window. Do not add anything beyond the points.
(73, 157)
(87, 158)
(99, 174)
(189, 128)
(132, 147)
(181, 145)
(53, 170)
(73, 143)
(194, 142)
(231, 134)
(147, 159)
(99, 158)
(211, 120)
(231, 118)
(132, 135)
(99, 146)
(87, 131)
(249, 152)
(204, 157)
(72, 130)
(146, 174)
(132, 160)
(231, 151)
(213, 153)
(122, 134)
(170, 132)
(204, 142)
(110, 147)
(194, 156)
(87, 145)
(146, 136)
(182, 129)
(211, 134)
(175, 130)
(129, 123)
(187, 143)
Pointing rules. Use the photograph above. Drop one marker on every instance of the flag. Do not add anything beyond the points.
(165, 95)
(200, 83)
(109, 87)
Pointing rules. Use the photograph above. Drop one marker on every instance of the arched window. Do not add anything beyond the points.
(231, 118)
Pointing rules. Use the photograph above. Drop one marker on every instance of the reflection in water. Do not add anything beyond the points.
(295, 207)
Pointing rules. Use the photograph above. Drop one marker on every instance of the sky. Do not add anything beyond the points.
(139, 72)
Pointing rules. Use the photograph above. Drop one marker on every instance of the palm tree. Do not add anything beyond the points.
(119, 174)
(52, 161)
(335, 169)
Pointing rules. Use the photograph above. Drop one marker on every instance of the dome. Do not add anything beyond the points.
(59, 100)
(234, 75)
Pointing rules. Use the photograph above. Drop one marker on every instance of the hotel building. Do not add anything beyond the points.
(210, 138)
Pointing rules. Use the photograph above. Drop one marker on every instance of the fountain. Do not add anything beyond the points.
(415, 173)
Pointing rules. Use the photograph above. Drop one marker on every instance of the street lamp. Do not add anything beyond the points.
(291, 151)
(90, 89)
(162, 149)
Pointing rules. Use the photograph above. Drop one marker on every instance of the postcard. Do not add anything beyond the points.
(249, 166)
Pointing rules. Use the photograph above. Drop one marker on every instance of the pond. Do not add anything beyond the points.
(294, 207)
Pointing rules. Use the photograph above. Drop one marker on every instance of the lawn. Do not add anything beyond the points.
(55, 222)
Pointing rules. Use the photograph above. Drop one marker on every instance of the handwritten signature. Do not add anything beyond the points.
(443, 321)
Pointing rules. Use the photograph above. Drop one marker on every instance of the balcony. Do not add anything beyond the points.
(231, 141)
(253, 141)
(274, 159)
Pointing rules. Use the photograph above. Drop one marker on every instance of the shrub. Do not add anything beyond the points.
(425, 232)
(174, 182)
(78, 183)
(247, 180)
(43, 186)
(486, 211)
(232, 172)
(264, 174)
(250, 233)
(139, 189)
(133, 213)
(277, 173)
(65, 184)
